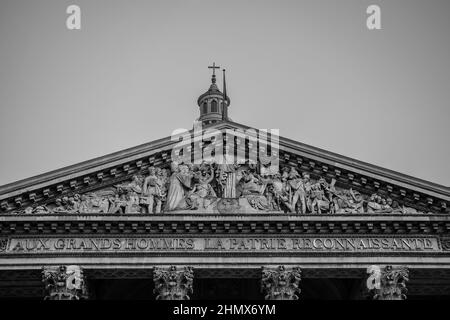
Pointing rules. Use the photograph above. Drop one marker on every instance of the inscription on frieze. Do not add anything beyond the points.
(3, 244)
(223, 244)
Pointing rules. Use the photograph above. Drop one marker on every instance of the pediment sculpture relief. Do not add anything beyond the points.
(223, 188)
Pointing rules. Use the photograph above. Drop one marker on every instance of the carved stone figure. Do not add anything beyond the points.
(228, 205)
(395, 207)
(41, 210)
(279, 192)
(348, 201)
(180, 184)
(132, 194)
(296, 189)
(117, 204)
(58, 206)
(74, 202)
(408, 210)
(163, 175)
(202, 194)
(64, 283)
(84, 204)
(274, 191)
(227, 176)
(28, 210)
(250, 184)
(152, 191)
(173, 284)
(388, 283)
(281, 283)
(374, 203)
(319, 200)
(251, 187)
(205, 187)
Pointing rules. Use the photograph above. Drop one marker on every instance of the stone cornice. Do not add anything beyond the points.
(177, 224)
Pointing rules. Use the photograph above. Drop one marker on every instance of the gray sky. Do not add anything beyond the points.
(133, 73)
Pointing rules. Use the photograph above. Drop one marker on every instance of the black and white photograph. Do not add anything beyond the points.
(228, 154)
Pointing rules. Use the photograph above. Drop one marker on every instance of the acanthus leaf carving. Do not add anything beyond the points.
(388, 283)
(64, 283)
(173, 284)
(281, 283)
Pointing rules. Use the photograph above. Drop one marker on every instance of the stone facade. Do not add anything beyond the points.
(139, 214)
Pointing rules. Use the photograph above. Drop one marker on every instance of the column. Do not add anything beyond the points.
(64, 283)
(281, 283)
(173, 284)
(388, 283)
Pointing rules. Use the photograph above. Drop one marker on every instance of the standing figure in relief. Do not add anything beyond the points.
(227, 175)
(318, 195)
(152, 192)
(307, 187)
(296, 188)
(134, 189)
(179, 183)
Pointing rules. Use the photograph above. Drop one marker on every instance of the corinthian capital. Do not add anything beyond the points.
(281, 283)
(388, 283)
(173, 284)
(64, 283)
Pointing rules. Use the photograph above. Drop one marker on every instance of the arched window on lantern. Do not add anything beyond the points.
(205, 108)
(214, 106)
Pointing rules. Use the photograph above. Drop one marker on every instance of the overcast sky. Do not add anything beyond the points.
(312, 69)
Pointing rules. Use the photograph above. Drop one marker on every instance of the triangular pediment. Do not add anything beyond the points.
(352, 184)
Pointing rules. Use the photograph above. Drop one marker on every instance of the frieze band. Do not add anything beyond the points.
(222, 244)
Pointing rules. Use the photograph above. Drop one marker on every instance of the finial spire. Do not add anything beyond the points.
(213, 67)
(225, 104)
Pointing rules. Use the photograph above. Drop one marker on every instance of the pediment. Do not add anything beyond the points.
(336, 184)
